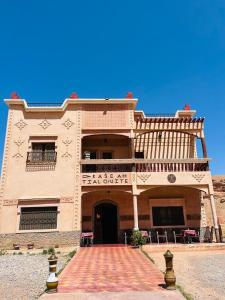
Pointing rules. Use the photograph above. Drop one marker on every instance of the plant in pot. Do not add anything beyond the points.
(137, 239)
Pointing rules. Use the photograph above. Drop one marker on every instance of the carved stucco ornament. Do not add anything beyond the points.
(68, 123)
(18, 142)
(171, 178)
(198, 177)
(144, 177)
(67, 142)
(45, 124)
(20, 124)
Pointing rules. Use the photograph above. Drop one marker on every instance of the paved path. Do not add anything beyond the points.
(111, 273)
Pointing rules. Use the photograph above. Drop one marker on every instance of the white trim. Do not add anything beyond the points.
(69, 101)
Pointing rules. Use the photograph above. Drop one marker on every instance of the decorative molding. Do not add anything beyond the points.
(131, 114)
(45, 124)
(10, 202)
(68, 123)
(67, 142)
(19, 143)
(198, 177)
(20, 124)
(6, 157)
(66, 200)
(133, 178)
(77, 186)
(144, 177)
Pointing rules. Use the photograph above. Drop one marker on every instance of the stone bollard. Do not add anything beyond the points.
(169, 277)
(52, 281)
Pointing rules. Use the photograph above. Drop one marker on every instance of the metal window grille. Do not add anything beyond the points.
(32, 218)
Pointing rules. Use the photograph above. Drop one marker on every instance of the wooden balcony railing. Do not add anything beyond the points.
(144, 165)
(41, 157)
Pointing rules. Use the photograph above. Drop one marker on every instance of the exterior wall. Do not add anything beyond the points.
(61, 184)
(187, 197)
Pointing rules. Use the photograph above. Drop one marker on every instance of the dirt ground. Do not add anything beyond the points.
(200, 273)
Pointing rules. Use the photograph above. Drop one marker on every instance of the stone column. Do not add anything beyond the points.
(214, 215)
(135, 212)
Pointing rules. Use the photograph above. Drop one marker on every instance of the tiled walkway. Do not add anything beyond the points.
(110, 269)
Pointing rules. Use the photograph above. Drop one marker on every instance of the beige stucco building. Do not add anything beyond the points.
(100, 165)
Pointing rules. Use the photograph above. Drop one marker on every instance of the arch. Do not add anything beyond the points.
(164, 130)
(200, 189)
(166, 144)
(125, 135)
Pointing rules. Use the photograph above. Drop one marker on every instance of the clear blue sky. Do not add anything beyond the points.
(167, 53)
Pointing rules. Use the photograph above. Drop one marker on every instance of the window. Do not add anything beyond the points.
(139, 154)
(42, 152)
(34, 218)
(168, 216)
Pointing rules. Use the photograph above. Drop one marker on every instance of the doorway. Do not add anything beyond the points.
(105, 223)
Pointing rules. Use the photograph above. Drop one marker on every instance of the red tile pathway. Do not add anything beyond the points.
(110, 269)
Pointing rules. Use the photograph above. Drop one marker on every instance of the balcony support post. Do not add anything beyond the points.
(204, 150)
(215, 219)
(135, 206)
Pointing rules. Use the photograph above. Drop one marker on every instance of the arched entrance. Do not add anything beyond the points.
(105, 223)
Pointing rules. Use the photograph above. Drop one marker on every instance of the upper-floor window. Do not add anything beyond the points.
(42, 152)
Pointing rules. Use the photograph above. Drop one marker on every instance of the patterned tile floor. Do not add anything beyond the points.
(110, 269)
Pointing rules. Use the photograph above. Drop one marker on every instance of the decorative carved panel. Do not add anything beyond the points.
(68, 123)
(45, 124)
(21, 124)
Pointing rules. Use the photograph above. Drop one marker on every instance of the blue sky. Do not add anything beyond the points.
(167, 53)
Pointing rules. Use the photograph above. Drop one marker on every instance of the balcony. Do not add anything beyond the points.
(144, 165)
(41, 157)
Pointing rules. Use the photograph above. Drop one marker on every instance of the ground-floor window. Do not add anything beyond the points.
(168, 216)
(32, 218)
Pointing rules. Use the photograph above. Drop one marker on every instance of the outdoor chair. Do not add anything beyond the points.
(162, 235)
(178, 236)
(222, 233)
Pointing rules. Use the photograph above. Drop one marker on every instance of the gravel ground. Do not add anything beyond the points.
(201, 274)
(23, 277)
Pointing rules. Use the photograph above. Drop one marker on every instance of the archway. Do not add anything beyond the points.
(105, 223)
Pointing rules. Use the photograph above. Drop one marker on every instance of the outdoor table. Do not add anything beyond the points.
(87, 238)
(188, 234)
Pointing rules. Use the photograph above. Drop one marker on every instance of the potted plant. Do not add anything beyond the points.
(16, 246)
(30, 245)
(137, 239)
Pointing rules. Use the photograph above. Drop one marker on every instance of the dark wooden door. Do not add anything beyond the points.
(106, 229)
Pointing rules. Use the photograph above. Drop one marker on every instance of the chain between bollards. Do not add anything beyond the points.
(169, 277)
(52, 281)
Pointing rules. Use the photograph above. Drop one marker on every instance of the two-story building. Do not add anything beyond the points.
(100, 165)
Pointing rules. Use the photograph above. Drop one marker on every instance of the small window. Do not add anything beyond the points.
(139, 154)
(168, 216)
(42, 152)
(34, 218)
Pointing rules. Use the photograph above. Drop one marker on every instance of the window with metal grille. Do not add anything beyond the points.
(32, 218)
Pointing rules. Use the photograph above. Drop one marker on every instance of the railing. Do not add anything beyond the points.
(44, 104)
(41, 156)
(172, 167)
(106, 168)
(158, 115)
(145, 165)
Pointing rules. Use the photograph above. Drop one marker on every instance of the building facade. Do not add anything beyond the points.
(100, 165)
